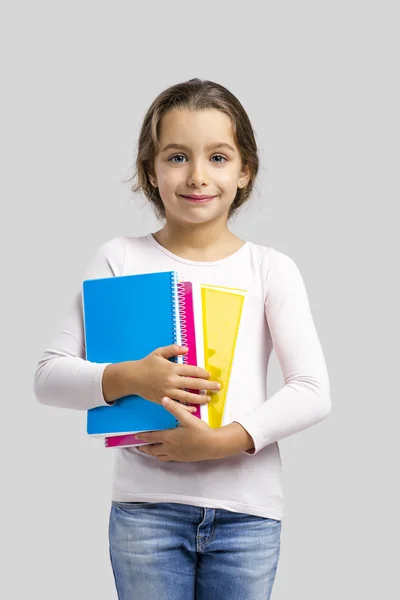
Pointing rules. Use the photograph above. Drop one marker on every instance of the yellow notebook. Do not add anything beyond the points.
(218, 312)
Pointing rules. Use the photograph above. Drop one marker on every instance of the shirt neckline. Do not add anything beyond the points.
(150, 237)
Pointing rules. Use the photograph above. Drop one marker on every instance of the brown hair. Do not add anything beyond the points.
(194, 95)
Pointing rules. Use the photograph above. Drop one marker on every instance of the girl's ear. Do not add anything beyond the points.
(244, 176)
(153, 180)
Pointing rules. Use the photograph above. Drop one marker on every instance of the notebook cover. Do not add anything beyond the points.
(126, 318)
(188, 337)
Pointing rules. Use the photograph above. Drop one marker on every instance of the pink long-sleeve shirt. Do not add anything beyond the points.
(276, 314)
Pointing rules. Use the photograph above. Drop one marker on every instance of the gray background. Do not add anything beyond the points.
(319, 81)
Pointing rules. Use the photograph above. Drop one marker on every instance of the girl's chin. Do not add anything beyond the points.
(193, 218)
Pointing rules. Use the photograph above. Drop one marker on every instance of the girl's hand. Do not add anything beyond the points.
(192, 441)
(155, 377)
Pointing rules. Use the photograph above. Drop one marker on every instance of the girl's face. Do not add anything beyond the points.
(198, 156)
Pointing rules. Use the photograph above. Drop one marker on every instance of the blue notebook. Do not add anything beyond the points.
(126, 318)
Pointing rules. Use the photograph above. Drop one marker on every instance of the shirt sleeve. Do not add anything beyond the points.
(63, 377)
(304, 400)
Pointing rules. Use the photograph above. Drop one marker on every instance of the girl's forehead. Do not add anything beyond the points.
(186, 119)
(206, 126)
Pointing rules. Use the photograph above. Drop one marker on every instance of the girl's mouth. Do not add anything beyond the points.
(198, 199)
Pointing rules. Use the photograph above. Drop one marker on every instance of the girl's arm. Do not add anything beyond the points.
(304, 400)
(63, 378)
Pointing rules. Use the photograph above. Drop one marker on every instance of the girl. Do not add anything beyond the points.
(197, 513)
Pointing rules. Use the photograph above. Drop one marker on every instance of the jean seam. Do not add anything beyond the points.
(199, 544)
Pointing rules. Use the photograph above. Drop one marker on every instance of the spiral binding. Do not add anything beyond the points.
(179, 316)
(182, 316)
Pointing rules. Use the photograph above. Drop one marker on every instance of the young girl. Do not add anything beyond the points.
(197, 513)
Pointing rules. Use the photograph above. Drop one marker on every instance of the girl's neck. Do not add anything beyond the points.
(199, 244)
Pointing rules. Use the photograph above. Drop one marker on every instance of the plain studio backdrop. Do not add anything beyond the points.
(320, 84)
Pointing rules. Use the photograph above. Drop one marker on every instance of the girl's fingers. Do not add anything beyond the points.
(192, 371)
(190, 409)
(199, 384)
(184, 396)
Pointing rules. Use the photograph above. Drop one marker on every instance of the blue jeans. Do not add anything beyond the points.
(183, 552)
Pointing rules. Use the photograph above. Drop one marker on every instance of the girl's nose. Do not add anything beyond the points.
(198, 176)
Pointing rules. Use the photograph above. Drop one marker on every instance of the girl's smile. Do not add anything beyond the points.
(200, 199)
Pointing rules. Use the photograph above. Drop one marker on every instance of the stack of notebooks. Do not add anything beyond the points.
(128, 317)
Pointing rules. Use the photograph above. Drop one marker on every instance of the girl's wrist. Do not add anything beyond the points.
(117, 381)
(231, 439)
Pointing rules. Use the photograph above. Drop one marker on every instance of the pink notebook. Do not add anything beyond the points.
(185, 296)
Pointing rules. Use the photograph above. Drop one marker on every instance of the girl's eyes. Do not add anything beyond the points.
(182, 155)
